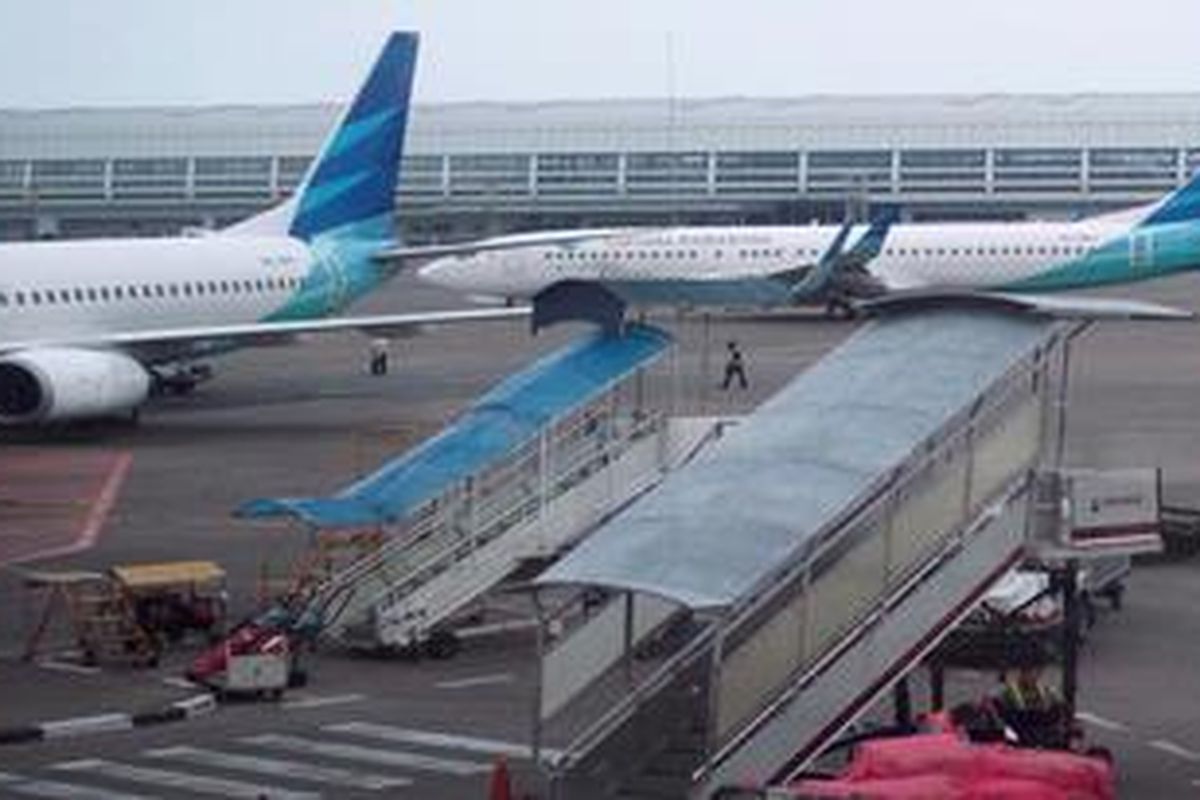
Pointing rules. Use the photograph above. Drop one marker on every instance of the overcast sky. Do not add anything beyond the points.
(184, 52)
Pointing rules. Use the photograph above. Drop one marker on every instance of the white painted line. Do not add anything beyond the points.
(1175, 749)
(80, 726)
(279, 768)
(321, 702)
(67, 666)
(197, 705)
(370, 755)
(178, 682)
(64, 791)
(481, 680)
(200, 784)
(1097, 721)
(474, 744)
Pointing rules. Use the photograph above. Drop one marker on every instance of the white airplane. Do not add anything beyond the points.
(596, 274)
(88, 327)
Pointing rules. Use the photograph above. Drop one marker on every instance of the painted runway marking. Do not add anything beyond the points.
(66, 666)
(200, 784)
(1175, 749)
(80, 726)
(481, 680)
(321, 702)
(370, 755)
(105, 501)
(278, 768)
(1100, 722)
(63, 791)
(474, 744)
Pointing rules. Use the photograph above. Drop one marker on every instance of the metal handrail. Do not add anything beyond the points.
(511, 513)
(625, 708)
(963, 424)
(366, 564)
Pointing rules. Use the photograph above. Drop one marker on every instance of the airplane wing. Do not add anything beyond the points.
(1063, 306)
(272, 332)
(839, 272)
(516, 241)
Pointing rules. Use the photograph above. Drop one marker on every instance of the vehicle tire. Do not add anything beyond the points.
(442, 645)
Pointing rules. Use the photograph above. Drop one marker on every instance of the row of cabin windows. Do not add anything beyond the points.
(1026, 250)
(105, 294)
(617, 255)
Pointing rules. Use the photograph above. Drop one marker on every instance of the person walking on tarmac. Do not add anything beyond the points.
(734, 367)
(379, 356)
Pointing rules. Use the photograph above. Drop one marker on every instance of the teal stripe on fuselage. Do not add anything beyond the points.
(763, 291)
(343, 269)
(1166, 249)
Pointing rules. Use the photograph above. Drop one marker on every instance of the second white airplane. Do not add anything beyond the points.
(835, 266)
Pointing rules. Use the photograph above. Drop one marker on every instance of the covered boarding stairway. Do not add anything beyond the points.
(526, 470)
(771, 590)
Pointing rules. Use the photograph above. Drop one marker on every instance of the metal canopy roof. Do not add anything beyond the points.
(510, 414)
(720, 524)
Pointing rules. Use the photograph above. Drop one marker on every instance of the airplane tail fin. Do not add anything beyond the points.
(1181, 205)
(350, 187)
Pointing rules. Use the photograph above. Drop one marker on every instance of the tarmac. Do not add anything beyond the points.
(307, 419)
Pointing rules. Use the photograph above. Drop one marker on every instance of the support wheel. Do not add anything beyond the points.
(442, 645)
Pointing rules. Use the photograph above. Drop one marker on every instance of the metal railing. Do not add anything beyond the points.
(1022, 393)
(482, 508)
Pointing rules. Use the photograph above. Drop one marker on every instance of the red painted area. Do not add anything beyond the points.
(55, 501)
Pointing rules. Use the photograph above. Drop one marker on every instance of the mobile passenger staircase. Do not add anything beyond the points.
(528, 469)
(750, 621)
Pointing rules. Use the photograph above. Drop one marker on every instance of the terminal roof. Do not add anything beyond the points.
(776, 482)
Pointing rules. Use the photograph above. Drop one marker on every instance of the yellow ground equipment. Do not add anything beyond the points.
(174, 597)
(102, 621)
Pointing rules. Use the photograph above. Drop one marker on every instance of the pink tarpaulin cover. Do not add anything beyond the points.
(944, 766)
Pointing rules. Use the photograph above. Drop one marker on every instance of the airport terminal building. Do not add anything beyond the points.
(485, 168)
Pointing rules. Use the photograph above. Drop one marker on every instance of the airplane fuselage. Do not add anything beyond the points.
(75, 291)
(1033, 255)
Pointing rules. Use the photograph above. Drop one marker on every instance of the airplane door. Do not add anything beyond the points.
(1141, 250)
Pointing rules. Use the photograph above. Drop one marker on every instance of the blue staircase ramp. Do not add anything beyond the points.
(507, 416)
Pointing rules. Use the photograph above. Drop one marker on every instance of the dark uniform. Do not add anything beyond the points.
(1034, 711)
(735, 367)
(379, 357)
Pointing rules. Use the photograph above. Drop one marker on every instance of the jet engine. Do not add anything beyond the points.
(52, 384)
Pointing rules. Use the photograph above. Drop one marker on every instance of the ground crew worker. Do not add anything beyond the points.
(379, 356)
(1026, 692)
(1033, 710)
(734, 366)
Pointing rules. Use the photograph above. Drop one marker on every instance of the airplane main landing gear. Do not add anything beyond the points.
(180, 379)
(840, 308)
